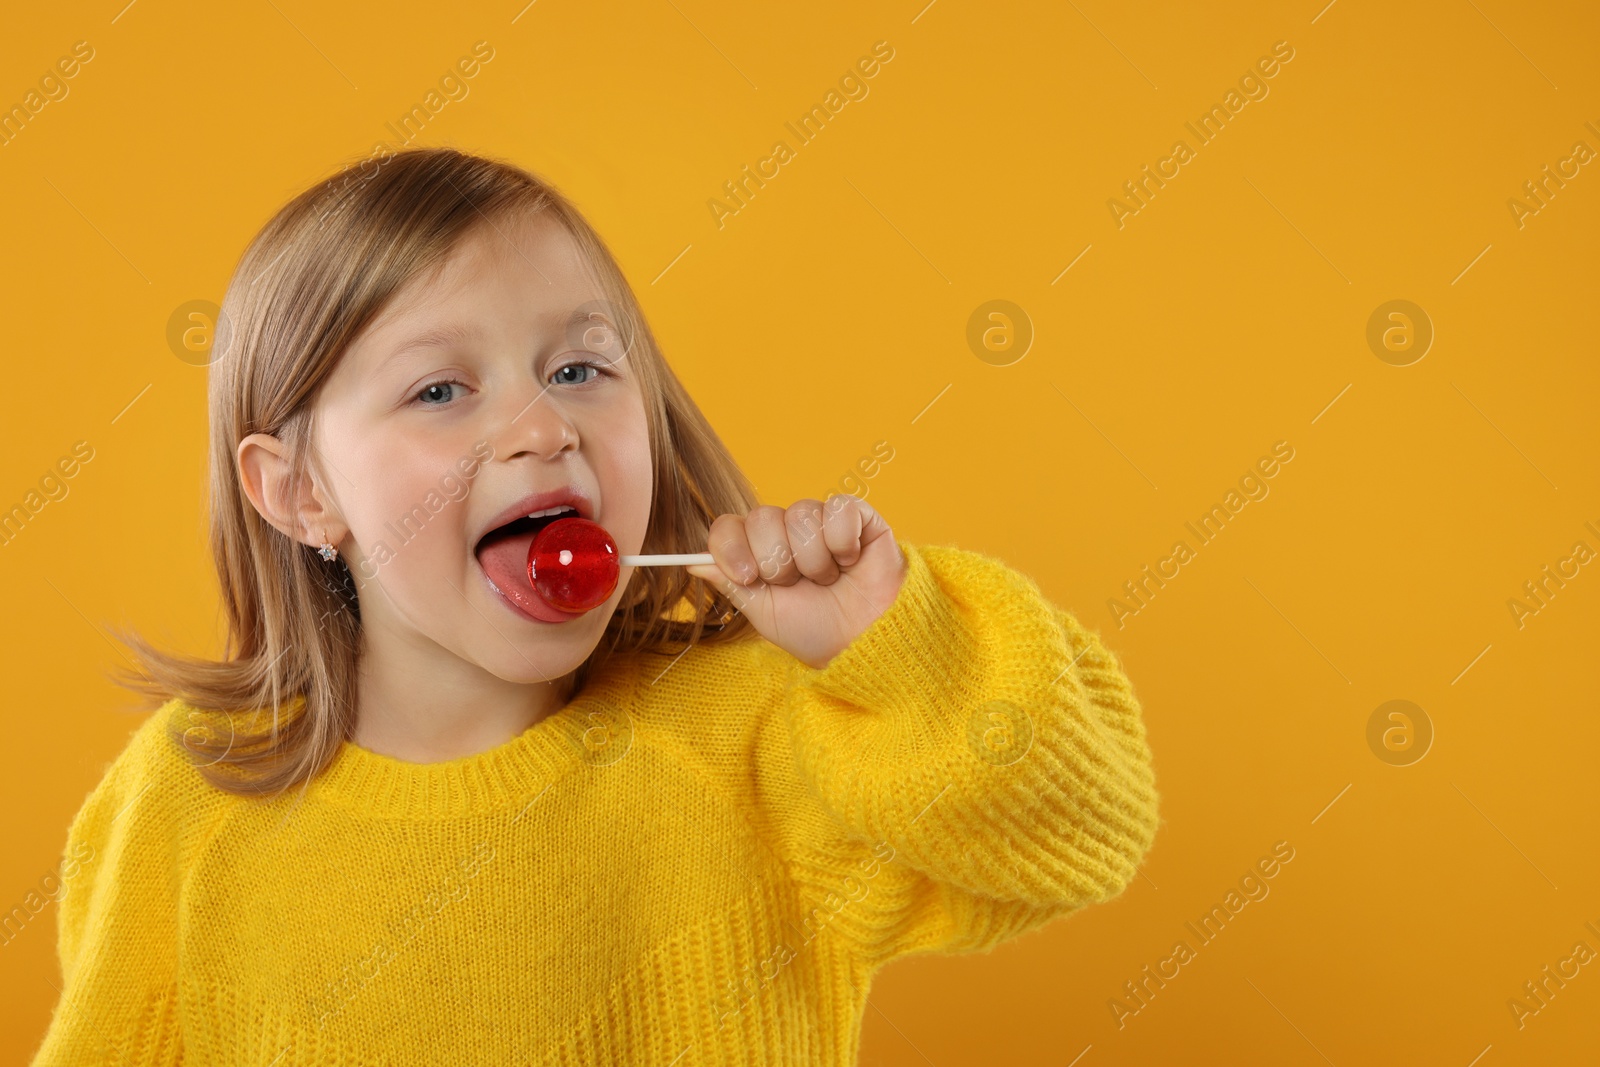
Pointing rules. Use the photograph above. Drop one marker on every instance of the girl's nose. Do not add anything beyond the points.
(538, 425)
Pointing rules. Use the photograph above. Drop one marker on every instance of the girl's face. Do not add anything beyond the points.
(426, 443)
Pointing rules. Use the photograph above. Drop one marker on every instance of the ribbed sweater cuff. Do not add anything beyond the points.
(908, 650)
(995, 743)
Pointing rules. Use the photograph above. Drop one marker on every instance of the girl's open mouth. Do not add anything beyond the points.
(502, 553)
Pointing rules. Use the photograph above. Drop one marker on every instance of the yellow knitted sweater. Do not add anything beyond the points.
(696, 861)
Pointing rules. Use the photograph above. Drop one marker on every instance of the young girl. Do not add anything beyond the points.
(417, 815)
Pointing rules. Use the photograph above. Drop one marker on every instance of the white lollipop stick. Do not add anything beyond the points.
(669, 559)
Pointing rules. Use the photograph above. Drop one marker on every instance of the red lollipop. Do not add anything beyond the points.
(573, 564)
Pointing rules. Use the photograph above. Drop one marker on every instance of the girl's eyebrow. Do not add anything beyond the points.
(585, 313)
(438, 336)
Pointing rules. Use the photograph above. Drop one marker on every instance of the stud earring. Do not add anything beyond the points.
(327, 550)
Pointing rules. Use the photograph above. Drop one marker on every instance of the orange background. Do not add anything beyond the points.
(831, 313)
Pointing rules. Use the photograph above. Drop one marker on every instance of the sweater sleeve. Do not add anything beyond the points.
(117, 920)
(986, 747)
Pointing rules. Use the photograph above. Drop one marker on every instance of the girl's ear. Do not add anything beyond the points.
(264, 471)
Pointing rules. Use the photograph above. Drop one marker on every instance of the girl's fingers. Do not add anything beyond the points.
(730, 549)
(769, 540)
(779, 546)
(843, 523)
(811, 553)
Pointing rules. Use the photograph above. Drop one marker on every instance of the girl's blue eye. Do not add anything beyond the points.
(579, 366)
(433, 390)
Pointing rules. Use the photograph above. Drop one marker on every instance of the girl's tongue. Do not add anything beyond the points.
(574, 563)
(503, 555)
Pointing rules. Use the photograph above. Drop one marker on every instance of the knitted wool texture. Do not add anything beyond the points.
(696, 861)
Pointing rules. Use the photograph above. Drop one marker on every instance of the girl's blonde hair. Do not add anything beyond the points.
(318, 272)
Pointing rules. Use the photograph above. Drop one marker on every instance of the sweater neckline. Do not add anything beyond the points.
(592, 729)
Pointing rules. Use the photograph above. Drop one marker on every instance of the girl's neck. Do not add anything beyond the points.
(409, 714)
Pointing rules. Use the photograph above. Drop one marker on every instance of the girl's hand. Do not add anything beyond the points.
(812, 576)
